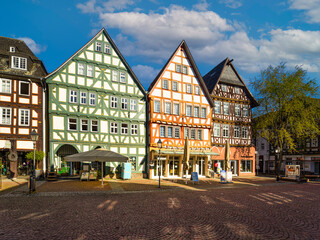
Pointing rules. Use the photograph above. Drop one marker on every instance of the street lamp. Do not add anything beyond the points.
(159, 143)
(34, 137)
(277, 151)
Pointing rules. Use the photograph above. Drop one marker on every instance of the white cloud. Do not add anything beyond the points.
(88, 7)
(145, 74)
(231, 3)
(201, 6)
(34, 47)
(93, 6)
(311, 7)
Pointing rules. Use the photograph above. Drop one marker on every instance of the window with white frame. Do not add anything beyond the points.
(186, 132)
(197, 90)
(236, 131)
(92, 99)
(114, 128)
(167, 107)
(133, 105)
(107, 49)
(5, 85)
(81, 68)
(98, 46)
(176, 108)
(177, 132)
(89, 70)
(184, 69)
(134, 129)
(72, 124)
(224, 88)
(204, 112)
(5, 115)
(19, 63)
(200, 134)
(192, 133)
(217, 107)
(225, 131)
(175, 86)
(84, 125)
(216, 130)
(170, 132)
(12, 49)
(114, 102)
(115, 76)
(244, 132)
(188, 110)
(237, 110)
(178, 68)
(73, 98)
(245, 112)
(123, 77)
(162, 131)
(24, 88)
(196, 111)
(83, 97)
(189, 88)
(94, 126)
(226, 108)
(237, 90)
(124, 128)
(165, 84)
(157, 106)
(124, 103)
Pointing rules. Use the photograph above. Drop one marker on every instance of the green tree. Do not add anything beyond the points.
(288, 111)
(39, 156)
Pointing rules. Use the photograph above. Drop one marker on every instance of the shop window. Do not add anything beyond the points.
(133, 161)
(246, 166)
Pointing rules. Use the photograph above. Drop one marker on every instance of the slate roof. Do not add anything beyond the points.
(35, 67)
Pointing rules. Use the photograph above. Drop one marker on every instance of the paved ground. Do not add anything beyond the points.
(258, 210)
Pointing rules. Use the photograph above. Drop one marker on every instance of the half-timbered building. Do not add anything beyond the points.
(95, 100)
(21, 99)
(231, 117)
(179, 106)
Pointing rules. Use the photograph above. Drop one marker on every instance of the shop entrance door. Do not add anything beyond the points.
(200, 167)
(174, 167)
(234, 167)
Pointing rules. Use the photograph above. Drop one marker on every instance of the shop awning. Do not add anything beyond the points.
(181, 152)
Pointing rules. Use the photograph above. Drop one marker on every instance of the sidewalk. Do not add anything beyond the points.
(10, 184)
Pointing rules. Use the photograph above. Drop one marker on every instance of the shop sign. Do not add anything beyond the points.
(293, 171)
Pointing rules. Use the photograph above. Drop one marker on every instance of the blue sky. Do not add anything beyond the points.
(254, 33)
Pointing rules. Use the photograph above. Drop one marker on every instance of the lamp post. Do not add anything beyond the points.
(34, 137)
(277, 151)
(159, 146)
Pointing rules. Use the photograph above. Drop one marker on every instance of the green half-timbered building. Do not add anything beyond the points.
(95, 100)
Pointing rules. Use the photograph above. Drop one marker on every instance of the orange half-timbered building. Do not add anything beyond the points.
(179, 106)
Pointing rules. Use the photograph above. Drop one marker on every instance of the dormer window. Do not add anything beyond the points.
(19, 63)
(12, 49)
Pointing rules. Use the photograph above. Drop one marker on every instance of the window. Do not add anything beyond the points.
(176, 108)
(134, 129)
(124, 128)
(237, 90)
(84, 125)
(114, 102)
(124, 103)
(226, 108)
(204, 112)
(81, 68)
(186, 132)
(5, 85)
(217, 107)
(90, 71)
(133, 105)
(92, 99)
(24, 88)
(170, 132)
(184, 69)
(98, 46)
(189, 88)
(246, 166)
(5, 115)
(83, 97)
(193, 134)
(175, 86)
(244, 132)
(197, 90)
(188, 110)
(107, 49)
(133, 161)
(225, 131)
(236, 131)
(177, 132)
(165, 84)
(12, 49)
(237, 111)
(167, 108)
(224, 88)
(72, 123)
(245, 112)
(122, 77)
(262, 146)
(196, 111)
(178, 68)
(114, 128)
(314, 142)
(19, 63)
(156, 106)
(216, 130)
(200, 134)
(94, 126)
(73, 96)
(162, 131)
(115, 76)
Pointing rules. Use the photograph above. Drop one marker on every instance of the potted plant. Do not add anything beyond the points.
(39, 157)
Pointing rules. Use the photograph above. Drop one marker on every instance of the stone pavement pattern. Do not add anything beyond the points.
(284, 211)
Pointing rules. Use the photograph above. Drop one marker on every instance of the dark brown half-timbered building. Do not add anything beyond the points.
(21, 100)
(231, 117)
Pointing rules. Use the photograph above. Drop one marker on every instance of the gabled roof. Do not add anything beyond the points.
(117, 51)
(202, 84)
(226, 73)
